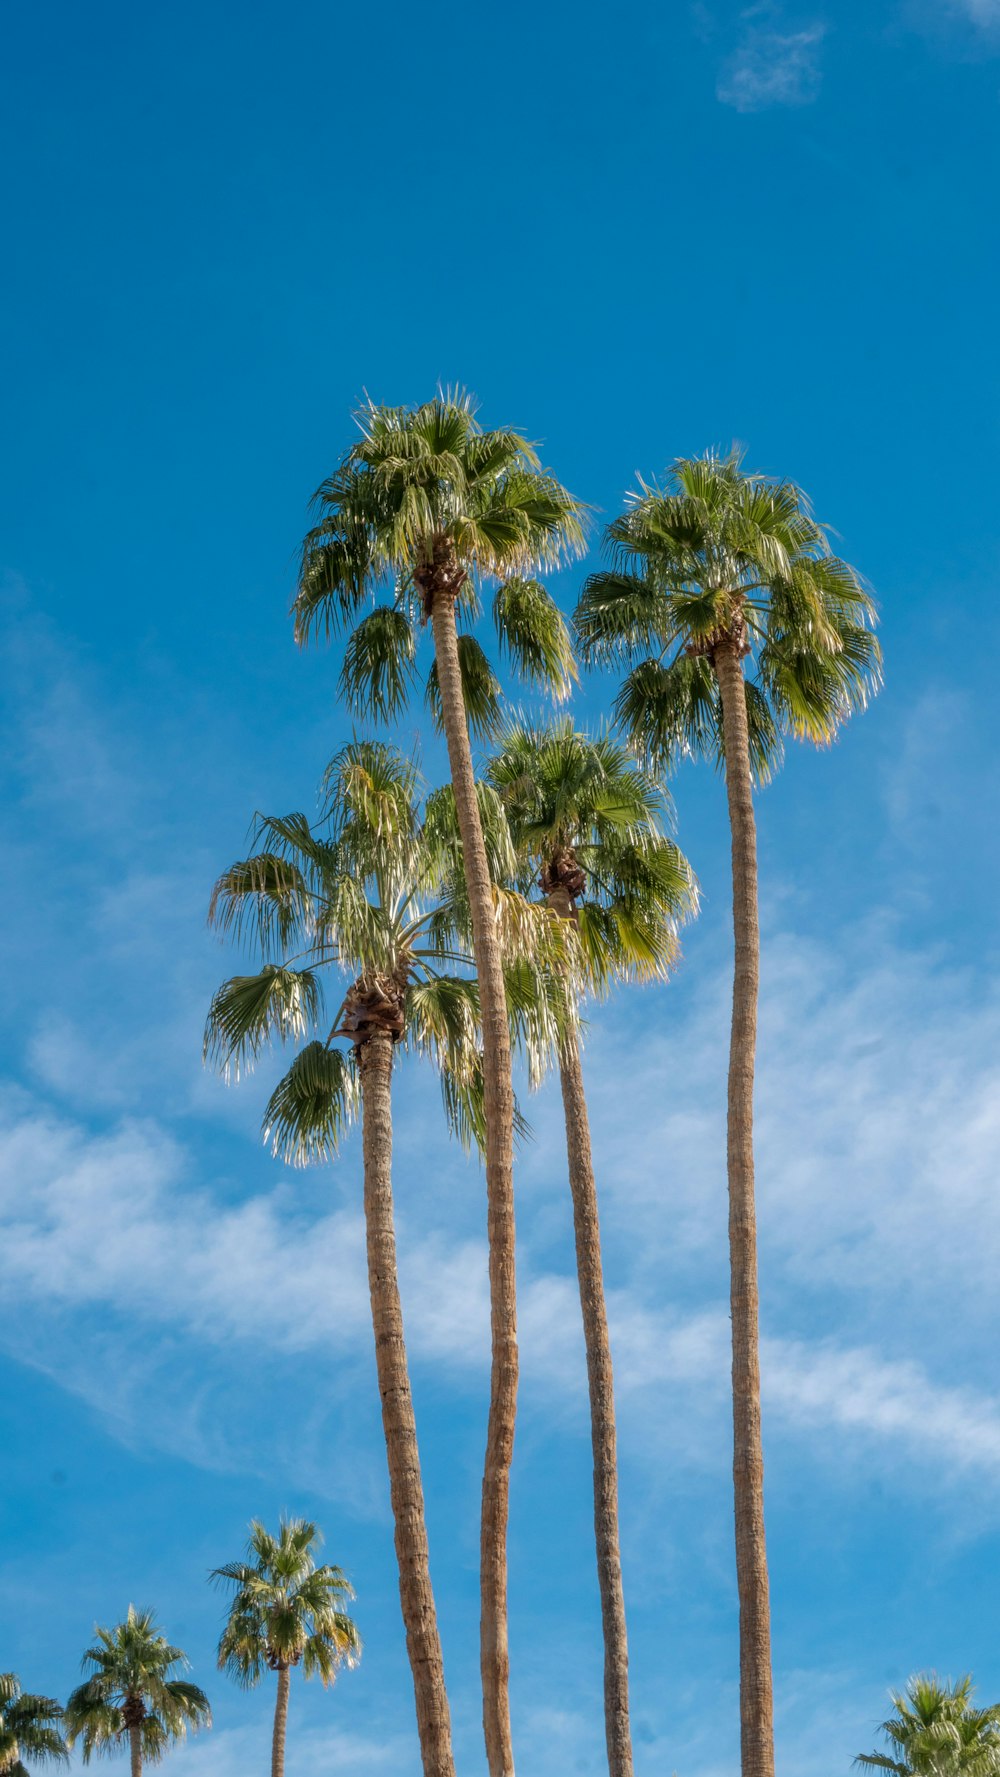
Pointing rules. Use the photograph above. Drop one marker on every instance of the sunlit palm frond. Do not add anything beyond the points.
(249, 1010)
(265, 896)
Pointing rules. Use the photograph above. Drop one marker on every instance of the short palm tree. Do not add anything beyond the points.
(30, 1728)
(720, 569)
(356, 897)
(286, 1611)
(132, 1696)
(937, 1732)
(586, 822)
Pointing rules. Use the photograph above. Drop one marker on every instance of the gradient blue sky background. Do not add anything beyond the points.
(635, 232)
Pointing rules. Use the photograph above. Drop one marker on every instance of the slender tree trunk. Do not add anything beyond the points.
(756, 1701)
(416, 1597)
(135, 1749)
(586, 1227)
(499, 1095)
(280, 1722)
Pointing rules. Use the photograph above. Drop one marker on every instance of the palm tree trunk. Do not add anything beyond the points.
(135, 1749)
(586, 1227)
(280, 1722)
(416, 1597)
(499, 1097)
(756, 1701)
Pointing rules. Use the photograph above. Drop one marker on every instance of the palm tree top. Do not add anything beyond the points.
(131, 1684)
(30, 1728)
(938, 1732)
(373, 894)
(286, 1608)
(588, 823)
(723, 556)
(427, 504)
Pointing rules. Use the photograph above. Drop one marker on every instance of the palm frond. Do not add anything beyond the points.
(312, 1106)
(534, 635)
(249, 1010)
(378, 667)
(480, 690)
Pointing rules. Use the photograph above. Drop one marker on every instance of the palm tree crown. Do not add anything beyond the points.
(937, 1732)
(425, 497)
(723, 555)
(30, 1732)
(286, 1611)
(587, 823)
(131, 1689)
(379, 897)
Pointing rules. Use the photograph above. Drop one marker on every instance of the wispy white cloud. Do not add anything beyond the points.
(112, 1222)
(985, 13)
(772, 67)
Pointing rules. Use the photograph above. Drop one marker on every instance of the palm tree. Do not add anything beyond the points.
(936, 1732)
(131, 1696)
(423, 509)
(357, 896)
(585, 820)
(720, 567)
(285, 1612)
(29, 1728)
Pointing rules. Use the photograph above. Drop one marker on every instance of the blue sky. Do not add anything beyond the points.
(635, 234)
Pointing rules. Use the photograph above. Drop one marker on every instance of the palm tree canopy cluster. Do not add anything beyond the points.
(539, 877)
(476, 925)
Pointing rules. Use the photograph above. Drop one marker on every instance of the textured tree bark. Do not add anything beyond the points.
(423, 1643)
(135, 1749)
(499, 1096)
(586, 1227)
(756, 1701)
(280, 1722)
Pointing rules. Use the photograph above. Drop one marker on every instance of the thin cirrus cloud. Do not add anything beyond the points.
(58, 1182)
(771, 67)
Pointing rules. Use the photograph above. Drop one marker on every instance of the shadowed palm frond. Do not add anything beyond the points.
(312, 1106)
(534, 635)
(480, 690)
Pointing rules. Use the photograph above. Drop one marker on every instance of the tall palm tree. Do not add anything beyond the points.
(285, 1612)
(356, 896)
(131, 1696)
(30, 1728)
(586, 821)
(720, 568)
(937, 1732)
(423, 510)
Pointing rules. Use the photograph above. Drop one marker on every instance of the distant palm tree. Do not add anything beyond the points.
(936, 1732)
(586, 820)
(720, 567)
(286, 1611)
(131, 1696)
(422, 510)
(366, 894)
(29, 1728)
